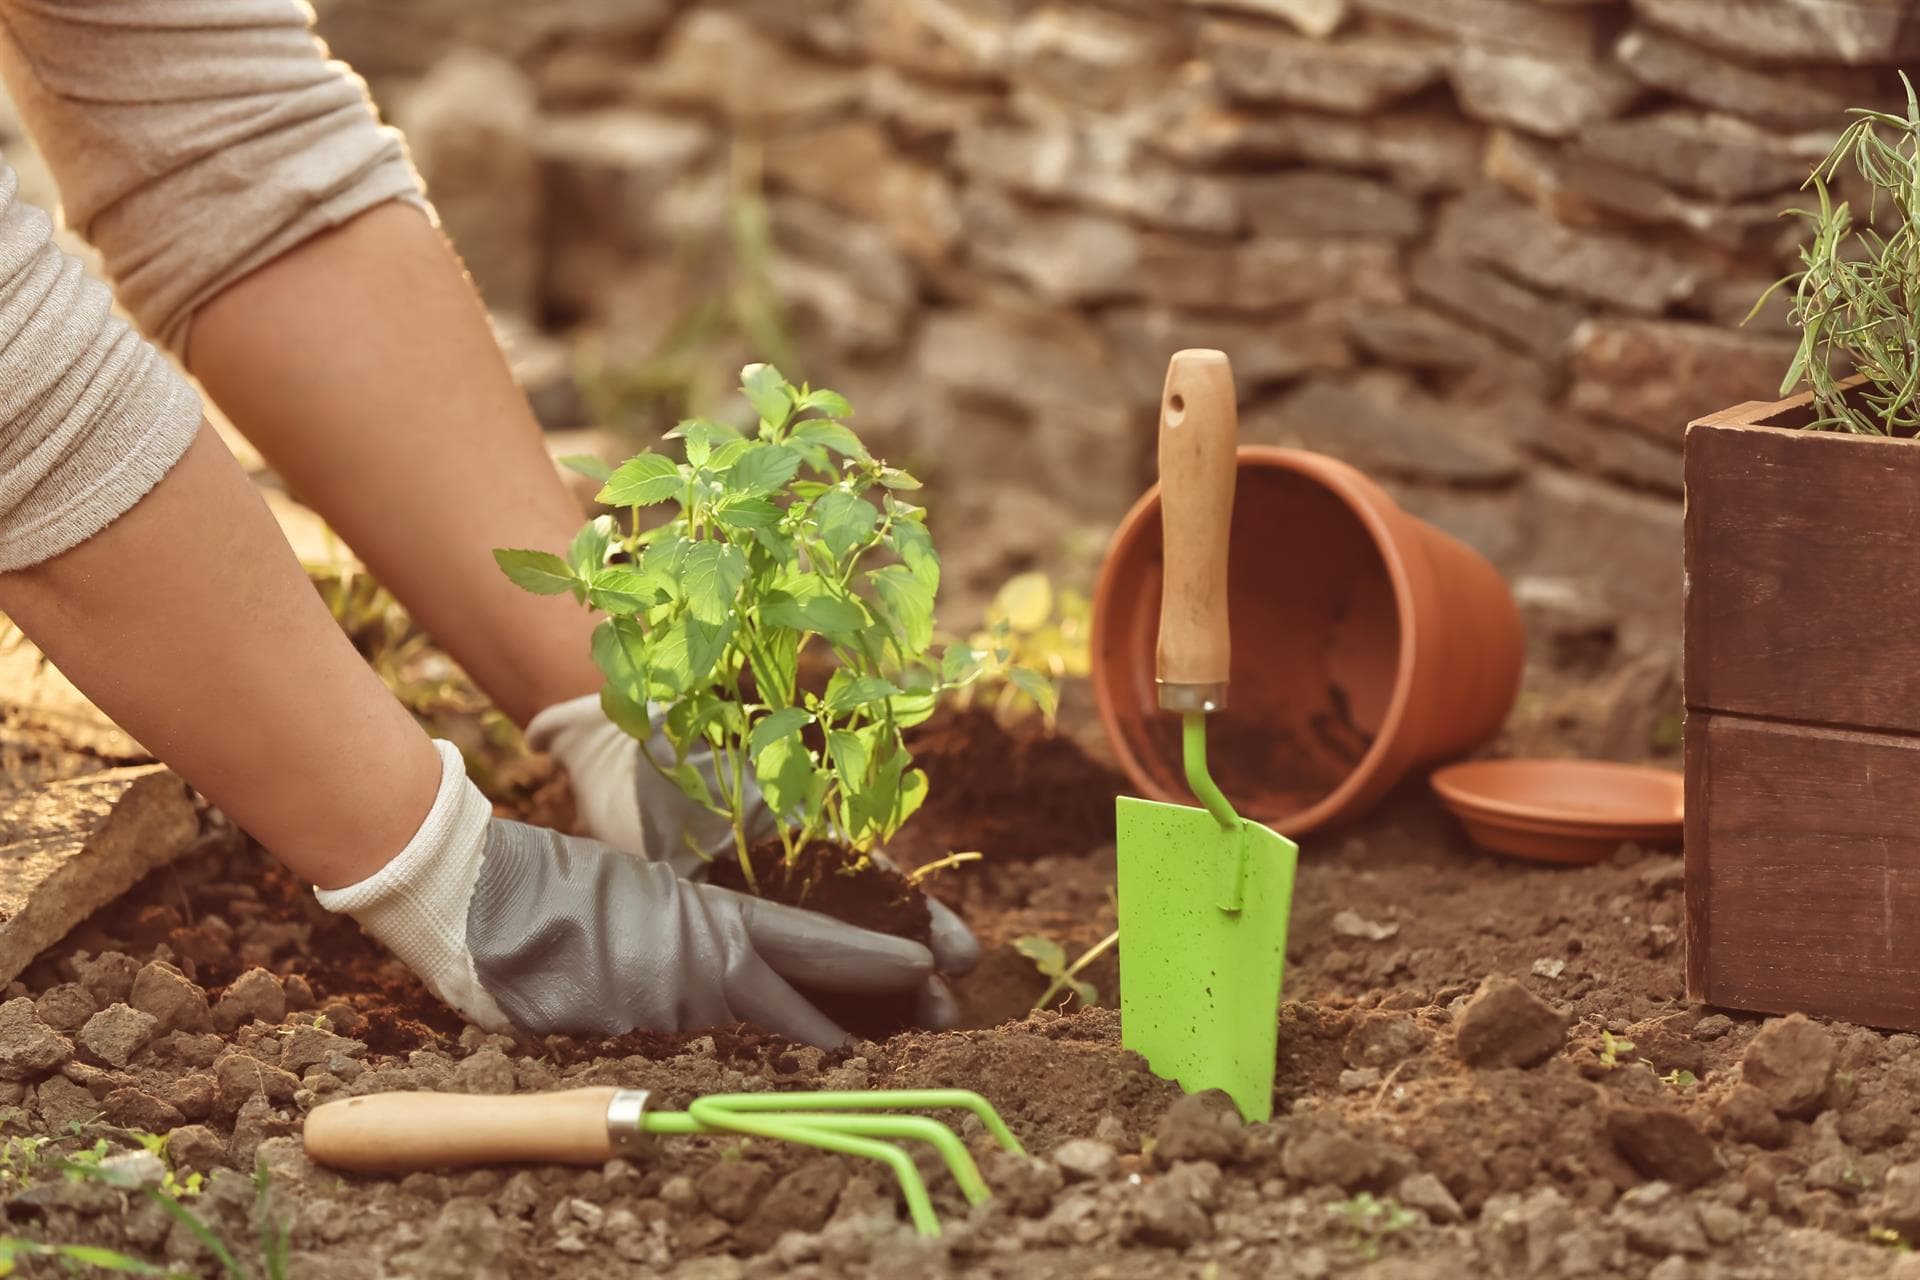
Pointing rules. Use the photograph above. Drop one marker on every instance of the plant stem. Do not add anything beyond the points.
(1072, 971)
(732, 764)
(920, 873)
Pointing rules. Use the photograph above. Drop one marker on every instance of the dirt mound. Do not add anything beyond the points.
(1008, 790)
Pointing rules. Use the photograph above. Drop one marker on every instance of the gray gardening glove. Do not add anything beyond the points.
(626, 803)
(517, 927)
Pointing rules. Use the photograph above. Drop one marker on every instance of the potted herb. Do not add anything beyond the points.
(782, 617)
(1802, 657)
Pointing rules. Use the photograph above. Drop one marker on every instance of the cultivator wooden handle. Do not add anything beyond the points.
(400, 1132)
(1198, 423)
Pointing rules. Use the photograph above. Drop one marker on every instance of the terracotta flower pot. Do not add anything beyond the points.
(1366, 643)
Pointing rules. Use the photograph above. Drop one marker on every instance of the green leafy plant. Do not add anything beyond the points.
(1374, 1221)
(785, 542)
(1032, 635)
(1858, 287)
(1050, 958)
(1679, 1079)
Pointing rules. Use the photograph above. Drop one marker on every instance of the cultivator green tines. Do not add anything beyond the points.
(402, 1132)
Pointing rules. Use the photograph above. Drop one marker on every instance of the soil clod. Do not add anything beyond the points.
(800, 1201)
(1200, 1126)
(137, 1109)
(1745, 1114)
(1380, 1040)
(1659, 1220)
(1430, 1196)
(731, 1188)
(191, 1095)
(176, 1002)
(1322, 1152)
(255, 996)
(116, 1033)
(1791, 1062)
(1086, 1159)
(29, 1048)
(1173, 1208)
(66, 1007)
(1663, 1144)
(108, 977)
(1027, 1185)
(1898, 1205)
(488, 1071)
(1505, 1025)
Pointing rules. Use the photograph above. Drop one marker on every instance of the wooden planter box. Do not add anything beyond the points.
(1803, 718)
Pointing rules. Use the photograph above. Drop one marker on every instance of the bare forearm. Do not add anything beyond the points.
(189, 622)
(363, 368)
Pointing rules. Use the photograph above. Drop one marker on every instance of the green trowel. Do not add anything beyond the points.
(1204, 894)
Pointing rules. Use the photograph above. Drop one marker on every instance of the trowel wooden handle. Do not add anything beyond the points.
(1198, 422)
(401, 1132)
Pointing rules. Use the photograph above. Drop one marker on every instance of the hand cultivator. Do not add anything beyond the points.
(407, 1131)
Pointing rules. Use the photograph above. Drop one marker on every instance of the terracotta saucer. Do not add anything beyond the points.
(1571, 847)
(1562, 810)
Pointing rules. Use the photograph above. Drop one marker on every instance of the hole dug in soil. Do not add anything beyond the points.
(836, 881)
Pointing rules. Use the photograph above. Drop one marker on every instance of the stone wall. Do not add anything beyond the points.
(1494, 251)
(1497, 252)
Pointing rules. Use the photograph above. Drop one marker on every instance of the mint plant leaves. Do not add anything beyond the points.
(793, 538)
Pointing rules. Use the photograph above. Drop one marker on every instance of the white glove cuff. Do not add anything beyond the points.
(417, 904)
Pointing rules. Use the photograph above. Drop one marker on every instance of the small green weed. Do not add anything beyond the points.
(1611, 1047)
(20, 1159)
(1050, 958)
(172, 1183)
(1890, 1238)
(89, 1164)
(1032, 636)
(1374, 1221)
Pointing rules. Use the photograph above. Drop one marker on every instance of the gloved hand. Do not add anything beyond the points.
(626, 803)
(519, 927)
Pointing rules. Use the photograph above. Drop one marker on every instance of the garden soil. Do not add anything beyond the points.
(1486, 1069)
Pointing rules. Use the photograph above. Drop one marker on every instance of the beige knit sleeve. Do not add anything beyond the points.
(91, 414)
(194, 141)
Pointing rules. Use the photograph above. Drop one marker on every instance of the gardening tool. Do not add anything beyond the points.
(405, 1131)
(1204, 895)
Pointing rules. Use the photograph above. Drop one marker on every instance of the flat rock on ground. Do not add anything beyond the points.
(70, 847)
